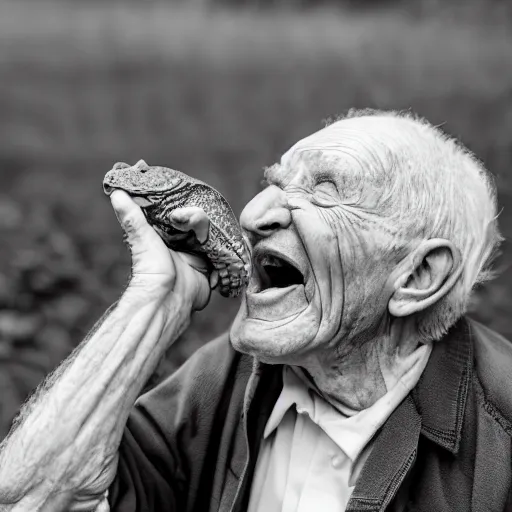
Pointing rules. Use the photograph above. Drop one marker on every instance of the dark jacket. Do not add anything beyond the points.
(191, 443)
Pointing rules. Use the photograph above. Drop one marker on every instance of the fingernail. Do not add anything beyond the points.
(214, 279)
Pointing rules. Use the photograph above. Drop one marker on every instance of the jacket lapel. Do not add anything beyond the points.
(391, 458)
(262, 390)
(442, 390)
(435, 408)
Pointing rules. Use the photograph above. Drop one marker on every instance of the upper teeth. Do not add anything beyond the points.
(271, 260)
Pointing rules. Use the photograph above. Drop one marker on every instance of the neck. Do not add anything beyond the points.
(364, 372)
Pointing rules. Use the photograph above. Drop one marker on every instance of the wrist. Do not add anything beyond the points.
(164, 295)
(188, 290)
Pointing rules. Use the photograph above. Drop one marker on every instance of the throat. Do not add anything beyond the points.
(363, 377)
(283, 276)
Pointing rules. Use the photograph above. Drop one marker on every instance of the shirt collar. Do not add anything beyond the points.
(350, 433)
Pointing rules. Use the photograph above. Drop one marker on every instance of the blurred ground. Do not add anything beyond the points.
(217, 94)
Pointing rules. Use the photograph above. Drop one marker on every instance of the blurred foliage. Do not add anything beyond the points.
(216, 94)
(489, 9)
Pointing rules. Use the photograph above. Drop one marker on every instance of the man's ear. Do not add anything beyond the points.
(424, 277)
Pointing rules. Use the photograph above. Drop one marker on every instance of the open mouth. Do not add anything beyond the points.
(275, 272)
(142, 201)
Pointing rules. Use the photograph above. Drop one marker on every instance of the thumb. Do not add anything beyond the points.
(130, 216)
(149, 253)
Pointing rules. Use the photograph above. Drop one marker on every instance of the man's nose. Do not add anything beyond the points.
(266, 213)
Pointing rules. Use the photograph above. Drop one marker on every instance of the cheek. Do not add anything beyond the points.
(323, 251)
(351, 262)
(366, 271)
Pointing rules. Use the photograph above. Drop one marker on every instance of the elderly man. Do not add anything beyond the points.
(355, 382)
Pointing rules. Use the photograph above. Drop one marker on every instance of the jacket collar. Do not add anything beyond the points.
(441, 393)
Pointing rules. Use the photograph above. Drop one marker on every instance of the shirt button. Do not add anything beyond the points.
(336, 462)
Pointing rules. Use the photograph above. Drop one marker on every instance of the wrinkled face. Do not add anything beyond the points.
(319, 269)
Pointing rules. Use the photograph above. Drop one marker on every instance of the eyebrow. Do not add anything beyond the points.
(269, 173)
(327, 174)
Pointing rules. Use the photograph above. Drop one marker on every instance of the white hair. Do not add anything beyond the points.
(438, 189)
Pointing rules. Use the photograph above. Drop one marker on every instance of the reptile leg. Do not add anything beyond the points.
(191, 218)
(231, 271)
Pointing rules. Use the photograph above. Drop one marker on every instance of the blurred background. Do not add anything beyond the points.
(218, 89)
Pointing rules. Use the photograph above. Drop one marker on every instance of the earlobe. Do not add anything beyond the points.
(424, 277)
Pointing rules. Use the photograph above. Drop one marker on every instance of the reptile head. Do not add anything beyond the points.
(146, 184)
(189, 216)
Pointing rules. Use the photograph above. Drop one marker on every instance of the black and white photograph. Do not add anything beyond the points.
(255, 256)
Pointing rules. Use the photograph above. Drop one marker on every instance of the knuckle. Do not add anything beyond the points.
(132, 223)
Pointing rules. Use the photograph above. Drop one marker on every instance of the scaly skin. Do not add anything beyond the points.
(161, 191)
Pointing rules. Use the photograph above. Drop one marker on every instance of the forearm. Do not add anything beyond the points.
(67, 435)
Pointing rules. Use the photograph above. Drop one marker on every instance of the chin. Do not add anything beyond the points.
(279, 317)
(283, 340)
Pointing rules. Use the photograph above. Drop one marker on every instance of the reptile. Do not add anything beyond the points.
(189, 216)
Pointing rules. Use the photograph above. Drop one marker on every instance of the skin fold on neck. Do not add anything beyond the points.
(366, 371)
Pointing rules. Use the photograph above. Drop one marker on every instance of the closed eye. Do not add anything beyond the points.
(325, 194)
(327, 186)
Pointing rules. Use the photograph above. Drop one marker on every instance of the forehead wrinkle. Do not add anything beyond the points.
(325, 156)
(377, 139)
(360, 160)
(368, 148)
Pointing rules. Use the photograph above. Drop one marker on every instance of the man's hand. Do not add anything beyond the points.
(62, 453)
(153, 263)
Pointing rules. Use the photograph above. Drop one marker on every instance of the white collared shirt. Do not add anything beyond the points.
(311, 454)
